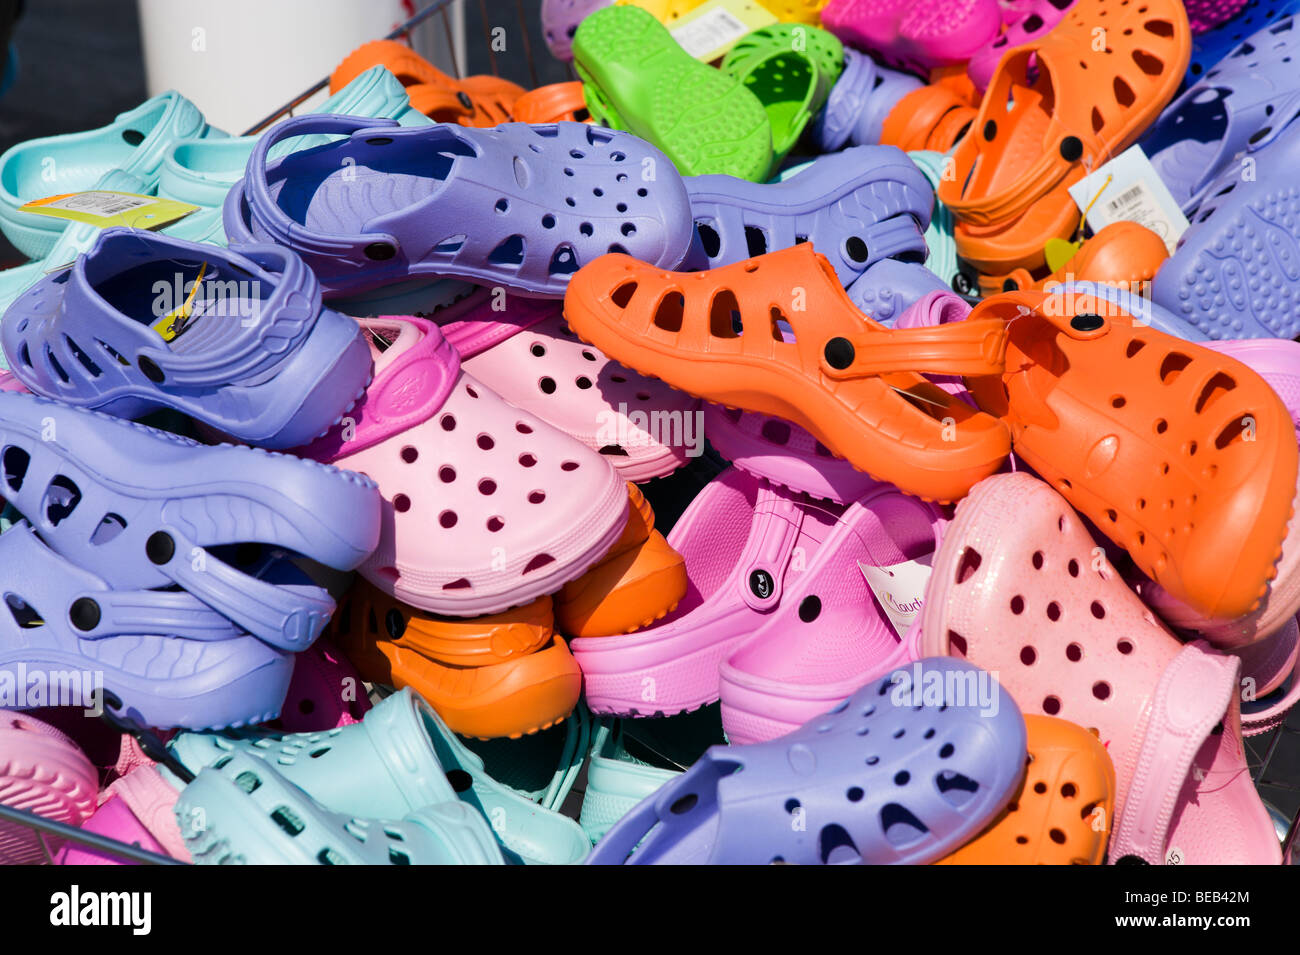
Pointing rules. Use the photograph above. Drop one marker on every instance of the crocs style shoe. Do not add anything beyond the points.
(485, 506)
(1010, 188)
(933, 118)
(1209, 48)
(147, 509)
(889, 288)
(1016, 588)
(133, 144)
(850, 382)
(530, 357)
(42, 771)
(921, 795)
(856, 207)
(242, 811)
(856, 108)
(1233, 274)
(1124, 254)
(542, 767)
(312, 203)
(1235, 105)
(1184, 457)
(250, 351)
(639, 581)
(1063, 811)
(138, 810)
(400, 758)
(325, 692)
(616, 781)
(791, 69)
(939, 239)
(555, 103)
(637, 78)
(1029, 21)
(528, 691)
(473, 101)
(916, 36)
(560, 19)
(788, 671)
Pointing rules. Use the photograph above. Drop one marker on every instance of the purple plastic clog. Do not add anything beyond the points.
(859, 102)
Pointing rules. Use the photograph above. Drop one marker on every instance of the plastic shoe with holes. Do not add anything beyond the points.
(242, 811)
(553, 103)
(850, 382)
(858, 103)
(1062, 813)
(1016, 589)
(325, 692)
(372, 210)
(855, 207)
(400, 758)
(890, 287)
(637, 582)
(1235, 105)
(796, 666)
(136, 809)
(483, 676)
(616, 781)
(637, 78)
(485, 507)
(473, 101)
(1030, 21)
(1209, 48)
(250, 351)
(43, 772)
(542, 767)
(143, 509)
(134, 144)
(560, 19)
(932, 118)
(936, 773)
(530, 357)
(791, 69)
(916, 36)
(939, 239)
(169, 659)
(1124, 254)
(1010, 185)
(1186, 458)
(1278, 363)
(1235, 270)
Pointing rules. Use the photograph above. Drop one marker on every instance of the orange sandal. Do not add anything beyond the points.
(473, 101)
(1013, 171)
(934, 117)
(553, 103)
(640, 580)
(516, 684)
(777, 334)
(1123, 254)
(1062, 814)
(1181, 455)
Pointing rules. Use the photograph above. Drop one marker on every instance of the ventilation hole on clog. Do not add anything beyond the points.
(394, 624)
(502, 206)
(1028, 655)
(1124, 94)
(1231, 434)
(527, 460)
(509, 252)
(627, 229)
(1051, 706)
(446, 474)
(487, 486)
(1215, 388)
(1017, 604)
(684, 804)
(1159, 27)
(318, 753)
(1173, 366)
(1101, 690)
(583, 382)
(409, 454)
(401, 503)
(1040, 788)
(26, 616)
(900, 825)
(546, 385)
(25, 356)
(1074, 652)
(448, 519)
(1124, 646)
(968, 564)
(724, 316)
(587, 229)
(901, 732)
(956, 789)
(1134, 347)
(536, 497)
(86, 362)
(564, 261)
(15, 461)
(668, 313)
(573, 465)
(623, 294)
(285, 818)
(755, 241)
(1148, 64)
(450, 244)
(459, 780)
(58, 369)
(810, 609)
(495, 523)
(710, 241)
(485, 442)
(1053, 611)
(569, 201)
(109, 526)
(791, 805)
(1119, 401)
(956, 645)
(1112, 515)
(1037, 560)
(448, 422)
(598, 192)
(460, 583)
(538, 562)
(248, 781)
(1032, 23)
(61, 498)
(132, 137)
(837, 847)
(776, 431)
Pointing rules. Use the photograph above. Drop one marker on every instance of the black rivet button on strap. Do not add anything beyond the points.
(84, 614)
(990, 130)
(761, 584)
(1087, 322)
(1071, 148)
(839, 353)
(150, 370)
(160, 548)
(380, 251)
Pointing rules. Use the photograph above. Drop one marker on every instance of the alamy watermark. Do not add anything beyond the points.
(627, 428)
(935, 686)
(23, 687)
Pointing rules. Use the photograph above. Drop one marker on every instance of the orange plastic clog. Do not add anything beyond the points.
(640, 580)
(553, 103)
(933, 117)
(1183, 456)
(1056, 108)
(1062, 814)
(1123, 254)
(777, 334)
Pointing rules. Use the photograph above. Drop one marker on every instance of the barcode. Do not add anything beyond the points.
(1126, 198)
(709, 31)
(101, 203)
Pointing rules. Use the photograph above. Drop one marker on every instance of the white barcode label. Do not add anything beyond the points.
(703, 36)
(1129, 198)
(1128, 189)
(101, 203)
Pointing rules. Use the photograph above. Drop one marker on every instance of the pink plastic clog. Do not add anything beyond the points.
(44, 772)
(915, 34)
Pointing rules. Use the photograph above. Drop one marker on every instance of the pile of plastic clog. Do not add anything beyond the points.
(340, 490)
